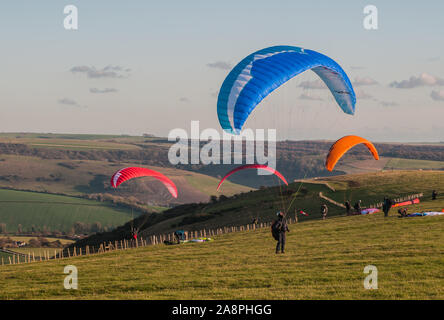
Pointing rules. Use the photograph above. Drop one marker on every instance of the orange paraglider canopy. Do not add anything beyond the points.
(340, 147)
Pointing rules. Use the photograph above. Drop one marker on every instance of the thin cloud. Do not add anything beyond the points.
(366, 81)
(306, 96)
(106, 90)
(316, 84)
(388, 103)
(220, 65)
(422, 80)
(361, 94)
(437, 95)
(109, 71)
(70, 102)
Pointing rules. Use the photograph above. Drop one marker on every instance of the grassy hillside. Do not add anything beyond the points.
(55, 212)
(78, 177)
(409, 164)
(263, 204)
(295, 159)
(26, 239)
(372, 187)
(4, 256)
(323, 260)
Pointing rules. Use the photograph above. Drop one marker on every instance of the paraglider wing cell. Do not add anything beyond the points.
(261, 72)
(253, 166)
(340, 147)
(136, 172)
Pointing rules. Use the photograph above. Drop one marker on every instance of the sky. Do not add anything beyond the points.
(136, 67)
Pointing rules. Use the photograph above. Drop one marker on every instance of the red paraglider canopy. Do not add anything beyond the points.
(252, 166)
(134, 172)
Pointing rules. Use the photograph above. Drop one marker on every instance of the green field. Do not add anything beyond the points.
(410, 164)
(72, 141)
(26, 239)
(55, 212)
(323, 260)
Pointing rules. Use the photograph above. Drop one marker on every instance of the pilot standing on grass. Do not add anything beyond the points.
(324, 211)
(279, 228)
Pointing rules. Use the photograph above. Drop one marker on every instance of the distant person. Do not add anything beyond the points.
(324, 211)
(179, 235)
(278, 230)
(348, 207)
(386, 206)
(434, 194)
(358, 207)
(402, 212)
(255, 221)
(134, 234)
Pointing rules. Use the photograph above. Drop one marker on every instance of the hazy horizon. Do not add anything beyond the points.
(166, 137)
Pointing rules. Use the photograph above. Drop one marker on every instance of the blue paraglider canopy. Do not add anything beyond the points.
(256, 76)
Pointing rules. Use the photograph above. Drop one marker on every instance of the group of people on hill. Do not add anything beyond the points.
(279, 227)
(357, 207)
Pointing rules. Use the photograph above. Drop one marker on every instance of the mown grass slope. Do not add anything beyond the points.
(323, 260)
(304, 195)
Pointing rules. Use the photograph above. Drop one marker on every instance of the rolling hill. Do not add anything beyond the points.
(263, 204)
(81, 165)
(80, 177)
(323, 260)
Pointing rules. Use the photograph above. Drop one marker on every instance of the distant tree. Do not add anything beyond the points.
(79, 227)
(34, 243)
(213, 199)
(96, 227)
